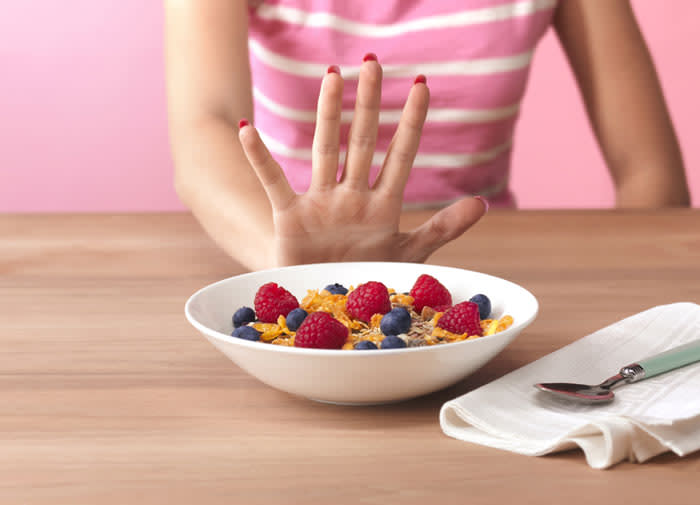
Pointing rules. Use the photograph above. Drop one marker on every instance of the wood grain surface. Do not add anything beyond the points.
(108, 396)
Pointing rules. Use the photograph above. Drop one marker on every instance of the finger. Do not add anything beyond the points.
(404, 146)
(444, 226)
(365, 122)
(267, 169)
(326, 144)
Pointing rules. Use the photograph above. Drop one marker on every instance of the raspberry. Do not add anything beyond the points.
(272, 301)
(462, 318)
(368, 299)
(320, 330)
(427, 290)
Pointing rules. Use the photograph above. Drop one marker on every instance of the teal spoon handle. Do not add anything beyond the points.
(666, 361)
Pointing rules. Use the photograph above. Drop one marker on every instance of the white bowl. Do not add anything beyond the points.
(358, 377)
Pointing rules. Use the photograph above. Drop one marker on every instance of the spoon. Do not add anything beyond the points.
(655, 365)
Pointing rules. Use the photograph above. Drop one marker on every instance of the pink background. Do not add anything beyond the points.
(83, 123)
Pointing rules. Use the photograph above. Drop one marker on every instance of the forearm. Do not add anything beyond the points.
(209, 90)
(639, 142)
(214, 179)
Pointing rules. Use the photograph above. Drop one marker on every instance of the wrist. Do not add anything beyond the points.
(649, 191)
(241, 226)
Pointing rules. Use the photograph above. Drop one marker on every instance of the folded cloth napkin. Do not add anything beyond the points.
(646, 418)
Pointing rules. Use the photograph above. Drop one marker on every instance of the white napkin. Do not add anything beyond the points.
(645, 418)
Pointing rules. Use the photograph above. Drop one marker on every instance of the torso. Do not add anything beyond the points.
(476, 57)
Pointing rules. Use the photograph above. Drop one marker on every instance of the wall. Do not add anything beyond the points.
(83, 124)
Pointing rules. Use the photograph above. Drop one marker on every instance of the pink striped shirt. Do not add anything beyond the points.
(475, 53)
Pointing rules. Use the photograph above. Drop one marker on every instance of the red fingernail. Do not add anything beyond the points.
(484, 201)
(333, 69)
(370, 57)
(242, 123)
(420, 78)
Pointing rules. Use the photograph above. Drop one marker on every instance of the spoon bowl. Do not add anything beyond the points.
(579, 392)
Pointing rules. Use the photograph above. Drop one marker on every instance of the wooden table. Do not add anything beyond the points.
(108, 396)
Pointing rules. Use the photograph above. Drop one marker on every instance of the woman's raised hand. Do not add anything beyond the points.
(349, 219)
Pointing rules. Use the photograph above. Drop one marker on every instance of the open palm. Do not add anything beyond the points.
(349, 219)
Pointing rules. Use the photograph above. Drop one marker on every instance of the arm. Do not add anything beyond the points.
(238, 191)
(624, 101)
(209, 90)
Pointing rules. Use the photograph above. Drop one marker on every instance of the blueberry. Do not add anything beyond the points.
(336, 289)
(395, 322)
(484, 305)
(295, 318)
(364, 345)
(246, 333)
(243, 316)
(393, 342)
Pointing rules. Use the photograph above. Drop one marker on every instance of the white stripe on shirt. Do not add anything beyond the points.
(464, 18)
(464, 67)
(422, 160)
(392, 116)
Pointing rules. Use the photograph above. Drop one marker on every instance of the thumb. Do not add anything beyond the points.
(443, 227)
(271, 175)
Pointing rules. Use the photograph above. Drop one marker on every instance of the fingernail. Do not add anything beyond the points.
(421, 78)
(484, 201)
(242, 123)
(370, 57)
(333, 69)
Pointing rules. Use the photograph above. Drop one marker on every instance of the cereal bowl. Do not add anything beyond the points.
(358, 376)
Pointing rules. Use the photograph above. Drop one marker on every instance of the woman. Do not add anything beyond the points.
(476, 56)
